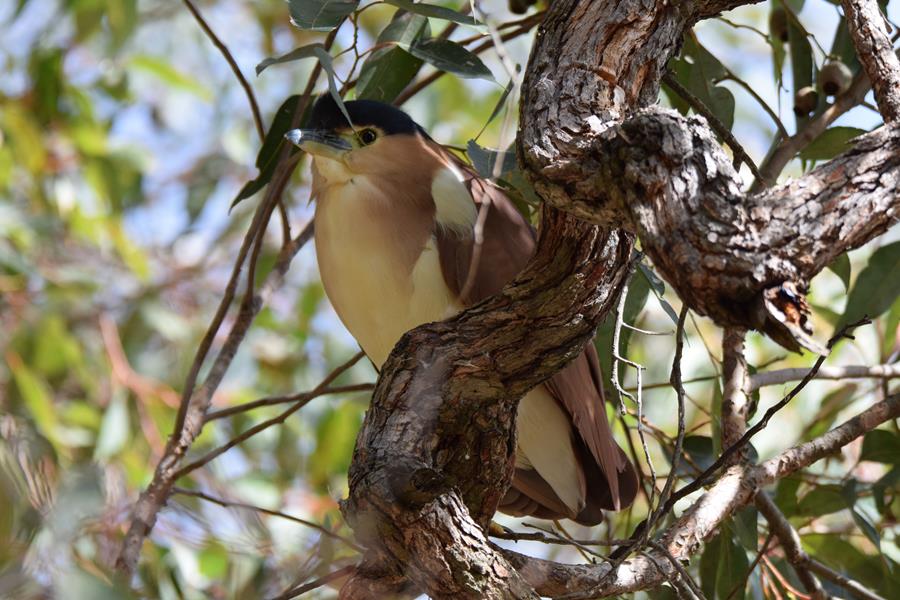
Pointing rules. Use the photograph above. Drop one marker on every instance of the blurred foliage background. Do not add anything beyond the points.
(124, 140)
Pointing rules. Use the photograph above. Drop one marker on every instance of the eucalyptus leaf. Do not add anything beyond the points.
(449, 56)
(830, 143)
(434, 11)
(302, 52)
(877, 286)
(320, 15)
(840, 266)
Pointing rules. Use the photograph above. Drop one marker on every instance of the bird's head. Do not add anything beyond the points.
(372, 143)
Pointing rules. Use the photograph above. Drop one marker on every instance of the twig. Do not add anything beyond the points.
(682, 572)
(226, 53)
(614, 377)
(783, 580)
(836, 578)
(786, 148)
(281, 418)
(762, 423)
(735, 397)
(767, 378)
(790, 542)
(740, 155)
(195, 402)
(321, 389)
(752, 567)
(299, 397)
(678, 386)
(316, 583)
(876, 53)
(550, 537)
(266, 511)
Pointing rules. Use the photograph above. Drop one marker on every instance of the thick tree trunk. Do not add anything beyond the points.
(435, 452)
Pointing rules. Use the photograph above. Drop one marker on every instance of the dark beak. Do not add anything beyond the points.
(319, 142)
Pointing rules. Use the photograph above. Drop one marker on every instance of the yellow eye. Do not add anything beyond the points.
(367, 136)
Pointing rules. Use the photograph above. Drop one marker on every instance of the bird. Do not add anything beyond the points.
(395, 219)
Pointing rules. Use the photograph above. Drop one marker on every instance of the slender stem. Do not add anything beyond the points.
(251, 98)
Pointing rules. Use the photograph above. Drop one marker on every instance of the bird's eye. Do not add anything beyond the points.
(367, 136)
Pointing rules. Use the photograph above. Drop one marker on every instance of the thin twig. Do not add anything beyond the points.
(266, 511)
(275, 400)
(790, 542)
(740, 155)
(855, 588)
(762, 423)
(678, 386)
(679, 568)
(767, 378)
(316, 583)
(195, 402)
(226, 53)
(281, 418)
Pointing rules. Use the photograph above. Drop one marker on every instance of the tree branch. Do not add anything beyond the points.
(735, 489)
(767, 378)
(790, 542)
(868, 30)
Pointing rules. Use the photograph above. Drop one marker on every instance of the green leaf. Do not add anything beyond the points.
(169, 75)
(840, 266)
(802, 65)
(724, 566)
(786, 495)
(881, 445)
(830, 143)
(37, 397)
(699, 450)
(828, 411)
(320, 15)
(302, 52)
(877, 286)
(449, 56)
(387, 71)
(889, 483)
(659, 288)
(638, 292)
(486, 160)
(822, 500)
(115, 430)
(268, 153)
(335, 435)
(431, 10)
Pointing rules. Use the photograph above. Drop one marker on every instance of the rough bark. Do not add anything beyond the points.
(435, 453)
(734, 489)
(436, 448)
(868, 28)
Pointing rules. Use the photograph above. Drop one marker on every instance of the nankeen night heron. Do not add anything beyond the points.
(395, 214)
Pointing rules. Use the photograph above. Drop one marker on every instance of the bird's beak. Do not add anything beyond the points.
(319, 142)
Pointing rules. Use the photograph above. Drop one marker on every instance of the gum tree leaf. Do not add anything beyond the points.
(450, 57)
(320, 15)
(431, 10)
(486, 160)
(877, 286)
(831, 143)
(387, 71)
(882, 446)
(841, 267)
(302, 52)
(268, 153)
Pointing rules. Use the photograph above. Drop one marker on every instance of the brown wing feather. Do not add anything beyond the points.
(509, 242)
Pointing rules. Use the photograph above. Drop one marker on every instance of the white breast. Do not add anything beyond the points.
(361, 259)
